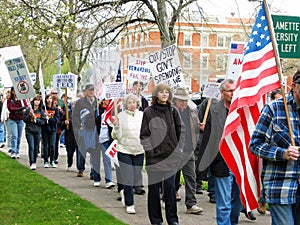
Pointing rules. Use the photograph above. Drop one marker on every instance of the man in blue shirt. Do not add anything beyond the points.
(281, 165)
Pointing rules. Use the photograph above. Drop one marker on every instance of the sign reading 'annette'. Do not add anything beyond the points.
(287, 34)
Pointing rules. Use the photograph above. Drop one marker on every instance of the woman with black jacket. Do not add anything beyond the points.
(162, 136)
(34, 119)
(49, 131)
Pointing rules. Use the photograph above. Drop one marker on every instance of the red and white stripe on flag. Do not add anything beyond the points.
(109, 111)
(258, 77)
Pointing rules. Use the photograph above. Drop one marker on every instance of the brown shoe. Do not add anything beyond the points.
(80, 174)
(261, 208)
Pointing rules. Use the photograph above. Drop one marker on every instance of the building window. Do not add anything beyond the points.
(204, 40)
(204, 62)
(127, 42)
(221, 62)
(187, 39)
(187, 60)
(224, 41)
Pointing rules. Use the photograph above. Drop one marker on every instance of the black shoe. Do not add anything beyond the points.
(139, 190)
(212, 199)
(173, 223)
(249, 215)
(199, 191)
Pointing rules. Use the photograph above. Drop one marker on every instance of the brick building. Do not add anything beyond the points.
(197, 41)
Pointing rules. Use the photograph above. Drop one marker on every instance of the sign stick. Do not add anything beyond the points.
(206, 110)
(67, 108)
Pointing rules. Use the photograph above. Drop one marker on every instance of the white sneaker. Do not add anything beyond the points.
(109, 185)
(53, 165)
(33, 166)
(97, 184)
(46, 165)
(122, 197)
(130, 209)
(13, 155)
(194, 210)
(18, 156)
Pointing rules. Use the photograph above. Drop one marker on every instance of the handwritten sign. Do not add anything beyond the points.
(114, 90)
(19, 75)
(139, 70)
(166, 68)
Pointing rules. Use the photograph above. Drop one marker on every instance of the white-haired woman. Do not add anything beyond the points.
(130, 152)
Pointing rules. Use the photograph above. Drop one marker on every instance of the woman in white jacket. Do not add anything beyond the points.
(126, 131)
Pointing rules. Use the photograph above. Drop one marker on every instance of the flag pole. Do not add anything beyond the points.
(275, 48)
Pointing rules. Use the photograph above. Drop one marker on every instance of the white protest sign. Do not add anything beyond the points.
(19, 75)
(114, 90)
(32, 77)
(5, 54)
(64, 80)
(235, 58)
(112, 153)
(139, 70)
(72, 91)
(166, 68)
(212, 90)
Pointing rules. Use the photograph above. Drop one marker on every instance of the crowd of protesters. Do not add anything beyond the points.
(161, 137)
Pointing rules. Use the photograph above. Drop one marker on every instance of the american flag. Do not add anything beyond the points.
(259, 75)
(108, 114)
(237, 48)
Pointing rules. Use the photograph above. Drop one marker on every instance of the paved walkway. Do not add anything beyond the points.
(106, 199)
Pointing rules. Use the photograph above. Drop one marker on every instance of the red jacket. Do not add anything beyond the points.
(16, 109)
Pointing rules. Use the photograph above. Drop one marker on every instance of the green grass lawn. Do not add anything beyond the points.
(29, 198)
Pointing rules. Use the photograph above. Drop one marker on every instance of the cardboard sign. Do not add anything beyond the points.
(114, 90)
(112, 153)
(19, 75)
(212, 90)
(166, 68)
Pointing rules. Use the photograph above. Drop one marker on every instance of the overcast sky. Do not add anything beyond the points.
(247, 9)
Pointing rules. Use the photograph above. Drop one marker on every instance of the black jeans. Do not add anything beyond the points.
(154, 206)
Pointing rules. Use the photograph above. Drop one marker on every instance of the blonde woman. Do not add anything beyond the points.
(130, 152)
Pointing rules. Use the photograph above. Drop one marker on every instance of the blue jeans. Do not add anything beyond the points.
(2, 133)
(130, 165)
(33, 140)
(228, 203)
(16, 128)
(106, 162)
(95, 161)
(49, 145)
(286, 214)
(8, 133)
(62, 137)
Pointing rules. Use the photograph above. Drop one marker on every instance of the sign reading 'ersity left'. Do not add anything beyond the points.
(166, 68)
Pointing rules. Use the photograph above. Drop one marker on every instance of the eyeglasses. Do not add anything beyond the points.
(229, 90)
